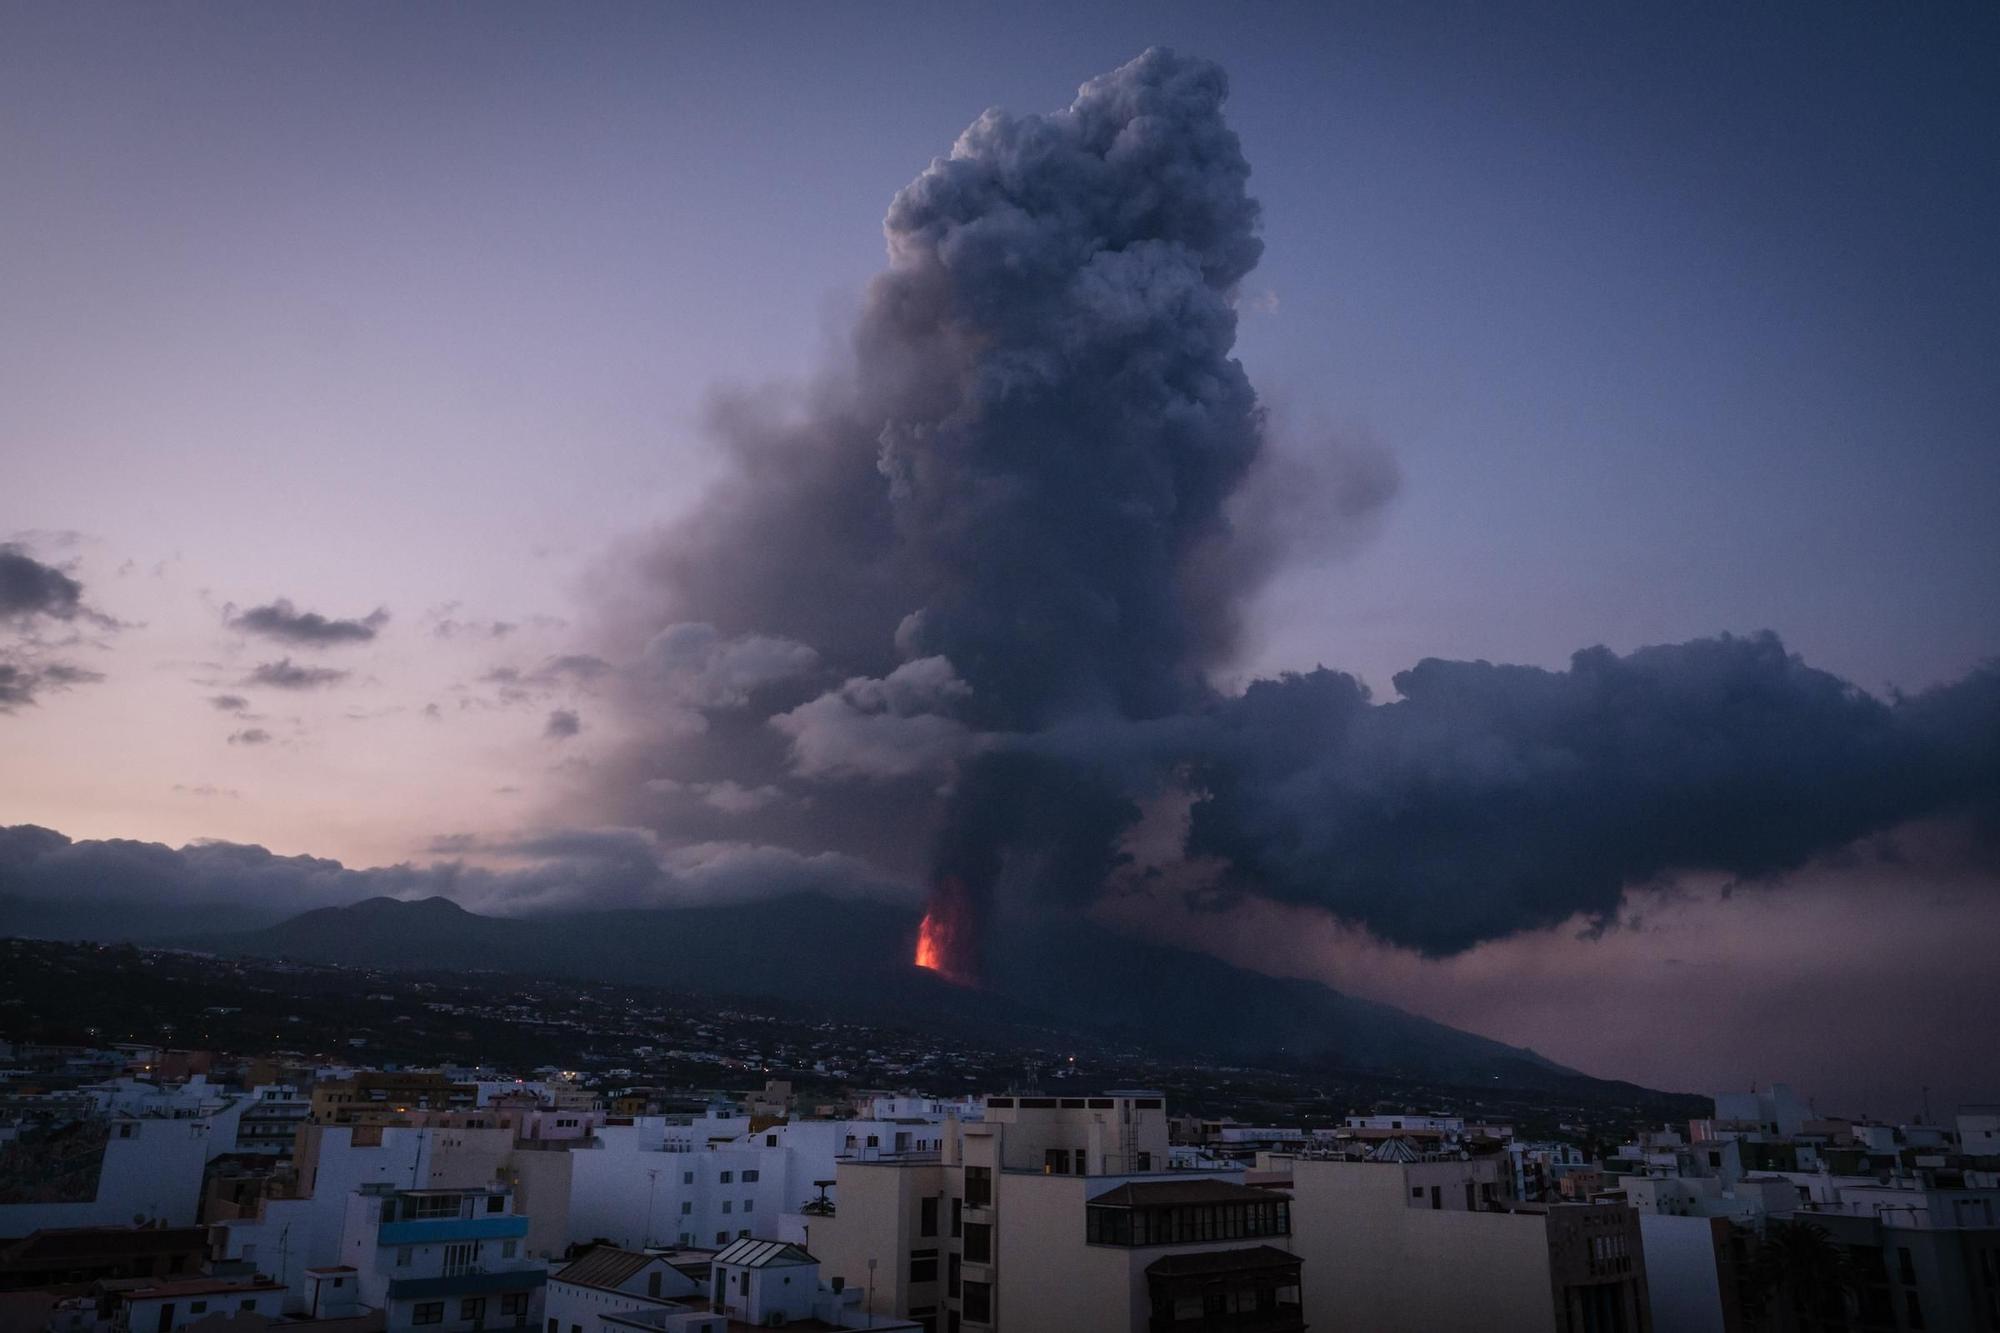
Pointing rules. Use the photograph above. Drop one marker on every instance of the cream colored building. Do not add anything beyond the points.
(1059, 1215)
(1409, 1247)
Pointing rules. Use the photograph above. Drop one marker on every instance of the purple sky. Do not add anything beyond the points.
(1673, 324)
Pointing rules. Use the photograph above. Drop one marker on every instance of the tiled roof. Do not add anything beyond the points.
(605, 1266)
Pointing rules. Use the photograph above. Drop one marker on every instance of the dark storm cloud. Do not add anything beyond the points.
(30, 588)
(591, 869)
(563, 723)
(284, 674)
(281, 620)
(22, 682)
(971, 591)
(1490, 800)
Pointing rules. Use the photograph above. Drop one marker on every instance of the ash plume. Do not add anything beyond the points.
(956, 609)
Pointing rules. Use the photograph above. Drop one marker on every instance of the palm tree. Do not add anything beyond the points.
(1812, 1278)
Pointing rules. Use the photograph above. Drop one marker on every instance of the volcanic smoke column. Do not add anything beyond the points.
(1058, 477)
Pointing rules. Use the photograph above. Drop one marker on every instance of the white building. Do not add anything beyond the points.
(443, 1260)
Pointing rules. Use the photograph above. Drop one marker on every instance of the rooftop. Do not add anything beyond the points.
(605, 1266)
(752, 1253)
(1170, 1193)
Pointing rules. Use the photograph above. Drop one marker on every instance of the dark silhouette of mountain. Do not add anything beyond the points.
(853, 959)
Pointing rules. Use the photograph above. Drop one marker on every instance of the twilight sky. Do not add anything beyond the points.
(366, 366)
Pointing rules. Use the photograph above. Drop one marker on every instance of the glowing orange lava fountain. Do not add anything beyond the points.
(944, 940)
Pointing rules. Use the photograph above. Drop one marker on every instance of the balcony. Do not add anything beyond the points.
(1250, 1290)
(436, 1230)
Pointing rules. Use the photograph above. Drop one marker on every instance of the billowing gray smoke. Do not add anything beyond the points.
(969, 597)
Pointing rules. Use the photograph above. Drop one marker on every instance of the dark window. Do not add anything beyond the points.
(979, 1243)
(1417, 1192)
(923, 1265)
(1145, 1161)
(428, 1312)
(953, 1272)
(494, 1203)
(553, 1326)
(874, 1140)
(197, 1307)
(770, 1140)
(1904, 1267)
(1914, 1309)
(957, 1215)
(1437, 1196)
(749, 1176)
(1055, 1161)
(978, 1302)
(927, 1215)
(514, 1303)
(653, 1285)
(978, 1186)
(472, 1307)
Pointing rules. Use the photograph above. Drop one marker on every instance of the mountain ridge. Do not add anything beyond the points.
(854, 957)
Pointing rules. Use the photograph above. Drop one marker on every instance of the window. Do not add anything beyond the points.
(725, 1205)
(509, 1248)
(923, 1265)
(687, 1206)
(770, 1140)
(748, 1204)
(402, 1256)
(197, 1307)
(428, 1312)
(514, 1303)
(728, 1177)
(978, 1243)
(553, 1326)
(749, 1177)
(472, 1307)
(722, 1238)
(874, 1140)
(495, 1203)
(247, 1305)
(744, 1233)
(1913, 1309)
(1417, 1192)
(1145, 1161)
(953, 1272)
(687, 1177)
(653, 1285)
(125, 1131)
(957, 1214)
(1055, 1162)
(978, 1304)
(927, 1215)
(1905, 1269)
(978, 1186)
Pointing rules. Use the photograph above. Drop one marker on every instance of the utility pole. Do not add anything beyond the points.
(652, 1183)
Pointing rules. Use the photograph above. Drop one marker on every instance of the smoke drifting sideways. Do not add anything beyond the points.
(971, 592)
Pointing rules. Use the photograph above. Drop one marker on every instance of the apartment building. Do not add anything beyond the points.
(373, 1097)
(439, 1260)
(1059, 1214)
(1372, 1232)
